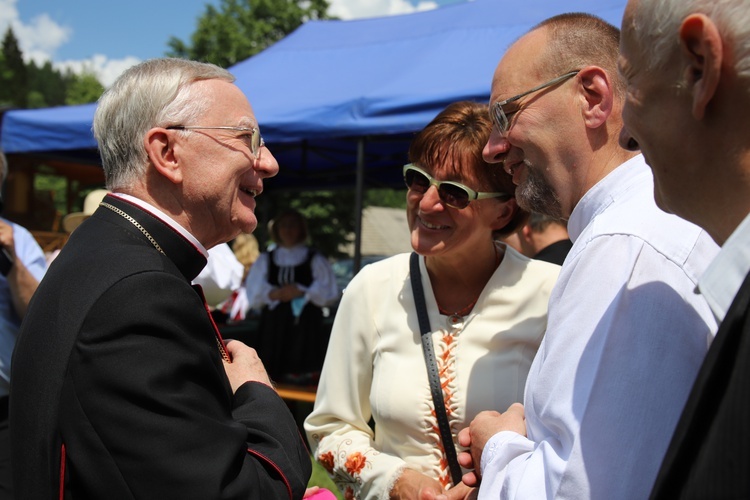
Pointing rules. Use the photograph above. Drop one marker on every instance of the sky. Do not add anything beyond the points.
(107, 37)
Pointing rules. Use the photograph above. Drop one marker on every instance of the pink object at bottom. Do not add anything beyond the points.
(321, 494)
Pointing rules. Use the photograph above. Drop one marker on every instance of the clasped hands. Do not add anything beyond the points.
(485, 425)
(415, 485)
(285, 293)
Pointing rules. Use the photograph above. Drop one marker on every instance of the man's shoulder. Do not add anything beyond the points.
(97, 244)
(638, 221)
(18, 229)
(739, 309)
(22, 236)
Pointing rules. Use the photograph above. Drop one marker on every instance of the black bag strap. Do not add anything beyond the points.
(432, 370)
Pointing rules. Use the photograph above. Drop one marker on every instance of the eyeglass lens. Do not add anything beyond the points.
(450, 194)
(255, 142)
(499, 118)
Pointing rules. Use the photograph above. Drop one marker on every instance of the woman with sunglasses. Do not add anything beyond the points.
(487, 309)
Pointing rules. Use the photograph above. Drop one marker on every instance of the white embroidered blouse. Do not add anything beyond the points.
(375, 368)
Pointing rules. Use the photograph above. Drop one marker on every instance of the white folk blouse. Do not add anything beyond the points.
(375, 368)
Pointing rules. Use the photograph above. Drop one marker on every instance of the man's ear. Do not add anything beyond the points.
(597, 94)
(160, 148)
(526, 232)
(506, 213)
(702, 47)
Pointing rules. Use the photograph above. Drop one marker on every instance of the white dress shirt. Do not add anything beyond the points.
(723, 278)
(626, 337)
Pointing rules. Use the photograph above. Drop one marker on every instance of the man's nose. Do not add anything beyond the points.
(266, 165)
(497, 147)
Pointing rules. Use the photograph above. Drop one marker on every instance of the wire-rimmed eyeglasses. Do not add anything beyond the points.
(255, 139)
(497, 114)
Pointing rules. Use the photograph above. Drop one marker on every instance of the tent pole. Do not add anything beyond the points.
(358, 197)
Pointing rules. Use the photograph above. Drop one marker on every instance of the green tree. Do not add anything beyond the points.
(82, 89)
(26, 85)
(238, 29)
(385, 197)
(46, 86)
(35, 100)
(328, 213)
(14, 78)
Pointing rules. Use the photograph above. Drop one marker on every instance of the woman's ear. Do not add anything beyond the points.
(160, 147)
(597, 95)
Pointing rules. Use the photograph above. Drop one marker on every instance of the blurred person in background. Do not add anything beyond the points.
(90, 203)
(291, 284)
(222, 275)
(22, 266)
(74, 219)
(235, 307)
(487, 309)
(246, 249)
(542, 237)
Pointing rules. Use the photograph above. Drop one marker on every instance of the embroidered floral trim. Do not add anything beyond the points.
(344, 468)
(446, 365)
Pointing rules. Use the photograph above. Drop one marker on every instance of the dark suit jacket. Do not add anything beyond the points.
(118, 363)
(709, 456)
(556, 252)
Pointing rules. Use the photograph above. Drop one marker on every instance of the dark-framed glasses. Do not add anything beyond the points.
(453, 194)
(497, 114)
(254, 139)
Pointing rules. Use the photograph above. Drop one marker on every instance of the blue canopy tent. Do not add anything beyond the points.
(330, 81)
(338, 101)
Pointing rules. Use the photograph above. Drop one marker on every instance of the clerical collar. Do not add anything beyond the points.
(164, 218)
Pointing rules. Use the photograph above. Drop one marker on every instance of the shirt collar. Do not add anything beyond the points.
(604, 193)
(724, 276)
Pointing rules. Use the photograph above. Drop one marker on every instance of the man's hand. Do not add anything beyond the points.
(485, 425)
(6, 238)
(20, 281)
(414, 485)
(246, 366)
(458, 492)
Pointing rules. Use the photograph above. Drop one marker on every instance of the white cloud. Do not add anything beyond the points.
(8, 13)
(106, 70)
(354, 9)
(42, 34)
(39, 38)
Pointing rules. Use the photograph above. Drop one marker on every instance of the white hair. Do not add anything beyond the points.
(154, 93)
(656, 24)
